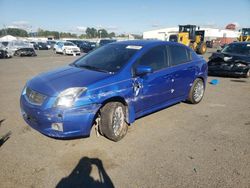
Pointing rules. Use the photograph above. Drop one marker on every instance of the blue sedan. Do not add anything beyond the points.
(111, 87)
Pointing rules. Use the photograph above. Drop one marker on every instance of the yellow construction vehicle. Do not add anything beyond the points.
(245, 35)
(189, 36)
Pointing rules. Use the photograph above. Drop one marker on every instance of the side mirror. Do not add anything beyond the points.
(143, 70)
(218, 50)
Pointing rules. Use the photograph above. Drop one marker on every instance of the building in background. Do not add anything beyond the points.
(223, 36)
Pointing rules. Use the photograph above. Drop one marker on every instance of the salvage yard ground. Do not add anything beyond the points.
(204, 145)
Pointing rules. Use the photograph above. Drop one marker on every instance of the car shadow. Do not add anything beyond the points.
(6, 136)
(80, 176)
(234, 80)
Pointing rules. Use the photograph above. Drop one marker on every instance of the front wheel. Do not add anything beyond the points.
(202, 48)
(247, 74)
(113, 124)
(197, 91)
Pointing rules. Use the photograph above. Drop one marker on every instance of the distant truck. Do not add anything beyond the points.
(245, 35)
(190, 36)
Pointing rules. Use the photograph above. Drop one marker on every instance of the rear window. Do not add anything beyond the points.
(179, 55)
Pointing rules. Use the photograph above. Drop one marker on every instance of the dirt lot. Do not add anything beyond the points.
(204, 145)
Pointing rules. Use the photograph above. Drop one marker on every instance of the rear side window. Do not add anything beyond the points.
(155, 58)
(179, 55)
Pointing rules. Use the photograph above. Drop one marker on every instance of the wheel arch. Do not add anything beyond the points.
(130, 113)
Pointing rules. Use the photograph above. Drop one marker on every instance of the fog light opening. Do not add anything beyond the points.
(57, 126)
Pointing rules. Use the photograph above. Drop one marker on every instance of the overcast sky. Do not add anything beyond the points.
(124, 16)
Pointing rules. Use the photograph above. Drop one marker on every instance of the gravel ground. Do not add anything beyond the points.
(204, 145)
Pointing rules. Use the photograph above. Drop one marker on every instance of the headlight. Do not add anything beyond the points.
(240, 65)
(67, 97)
(24, 90)
(227, 58)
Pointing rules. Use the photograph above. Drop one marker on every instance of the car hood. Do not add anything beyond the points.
(234, 56)
(71, 47)
(53, 82)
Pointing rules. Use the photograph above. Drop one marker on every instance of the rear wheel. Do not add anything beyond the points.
(197, 91)
(113, 124)
(202, 48)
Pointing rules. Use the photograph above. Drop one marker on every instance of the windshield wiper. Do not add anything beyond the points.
(93, 68)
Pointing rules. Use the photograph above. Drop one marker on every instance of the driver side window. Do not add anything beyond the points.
(155, 58)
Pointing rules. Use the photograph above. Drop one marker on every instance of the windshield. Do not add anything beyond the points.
(243, 48)
(5, 43)
(68, 44)
(246, 32)
(109, 58)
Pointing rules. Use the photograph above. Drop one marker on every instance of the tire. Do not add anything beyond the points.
(247, 74)
(191, 45)
(202, 48)
(17, 53)
(113, 113)
(196, 92)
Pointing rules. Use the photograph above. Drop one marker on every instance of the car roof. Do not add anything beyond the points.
(240, 43)
(145, 43)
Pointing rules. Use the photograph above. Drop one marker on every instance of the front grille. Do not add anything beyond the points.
(34, 97)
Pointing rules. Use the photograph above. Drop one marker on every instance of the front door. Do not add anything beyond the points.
(154, 88)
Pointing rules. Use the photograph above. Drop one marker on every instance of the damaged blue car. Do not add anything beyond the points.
(111, 87)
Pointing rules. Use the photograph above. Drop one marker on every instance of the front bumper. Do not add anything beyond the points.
(76, 122)
(72, 52)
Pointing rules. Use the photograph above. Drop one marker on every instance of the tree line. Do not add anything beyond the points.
(90, 32)
(14, 31)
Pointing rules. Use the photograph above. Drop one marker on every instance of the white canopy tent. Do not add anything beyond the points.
(8, 38)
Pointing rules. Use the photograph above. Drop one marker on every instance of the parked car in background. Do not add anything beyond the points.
(93, 45)
(56, 45)
(233, 60)
(19, 48)
(42, 46)
(51, 43)
(25, 51)
(84, 46)
(4, 50)
(67, 48)
(106, 41)
(34, 44)
(112, 86)
(3, 53)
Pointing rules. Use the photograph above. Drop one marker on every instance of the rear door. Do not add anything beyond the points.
(183, 69)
